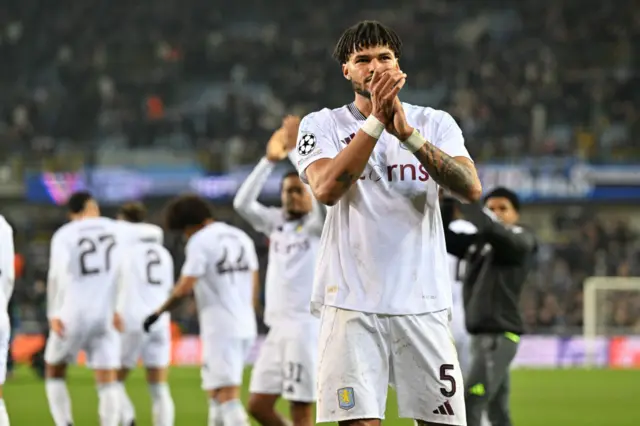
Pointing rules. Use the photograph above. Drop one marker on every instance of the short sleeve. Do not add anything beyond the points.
(195, 263)
(450, 139)
(314, 141)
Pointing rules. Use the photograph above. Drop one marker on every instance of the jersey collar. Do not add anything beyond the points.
(356, 112)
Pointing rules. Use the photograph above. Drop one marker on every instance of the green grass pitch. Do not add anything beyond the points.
(540, 398)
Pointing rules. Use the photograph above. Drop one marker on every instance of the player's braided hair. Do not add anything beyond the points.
(363, 35)
(186, 210)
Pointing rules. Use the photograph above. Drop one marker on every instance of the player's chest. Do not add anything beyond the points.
(289, 239)
(392, 167)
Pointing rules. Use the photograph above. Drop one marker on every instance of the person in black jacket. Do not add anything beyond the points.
(499, 258)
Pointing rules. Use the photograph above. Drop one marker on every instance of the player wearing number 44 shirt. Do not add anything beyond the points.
(382, 285)
(221, 266)
(287, 362)
(81, 290)
(145, 280)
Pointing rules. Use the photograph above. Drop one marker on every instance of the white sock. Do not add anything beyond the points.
(109, 404)
(162, 404)
(214, 413)
(127, 410)
(59, 401)
(233, 414)
(4, 417)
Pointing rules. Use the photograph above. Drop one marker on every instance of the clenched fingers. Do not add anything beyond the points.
(393, 85)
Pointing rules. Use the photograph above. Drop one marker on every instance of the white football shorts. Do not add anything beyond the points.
(100, 342)
(223, 360)
(154, 348)
(287, 362)
(361, 354)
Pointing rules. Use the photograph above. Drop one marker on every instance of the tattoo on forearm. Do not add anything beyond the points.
(346, 179)
(445, 170)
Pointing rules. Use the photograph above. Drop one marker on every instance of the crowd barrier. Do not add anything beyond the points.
(534, 351)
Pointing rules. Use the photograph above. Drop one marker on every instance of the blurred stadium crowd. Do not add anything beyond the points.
(522, 77)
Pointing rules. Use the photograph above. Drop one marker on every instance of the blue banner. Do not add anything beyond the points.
(564, 181)
(546, 181)
(111, 185)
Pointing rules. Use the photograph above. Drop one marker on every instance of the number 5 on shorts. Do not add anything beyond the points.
(446, 377)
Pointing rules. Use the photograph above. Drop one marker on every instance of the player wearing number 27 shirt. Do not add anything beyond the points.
(382, 284)
(81, 292)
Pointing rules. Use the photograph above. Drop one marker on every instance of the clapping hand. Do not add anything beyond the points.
(283, 140)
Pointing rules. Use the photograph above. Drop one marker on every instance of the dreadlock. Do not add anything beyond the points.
(363, 35)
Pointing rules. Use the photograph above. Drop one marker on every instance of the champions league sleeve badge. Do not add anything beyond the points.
(306, 144)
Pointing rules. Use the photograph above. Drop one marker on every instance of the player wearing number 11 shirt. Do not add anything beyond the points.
(81, 289)
(221, 266)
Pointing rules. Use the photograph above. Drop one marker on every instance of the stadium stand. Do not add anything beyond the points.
(84, 82)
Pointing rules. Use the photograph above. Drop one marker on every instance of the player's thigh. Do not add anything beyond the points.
(425, 369)
(131, 347)
(267, 372)
(223, 361)
(63, 350)
(103, 350)
(300, 361)
(353, 366)
(156, 349)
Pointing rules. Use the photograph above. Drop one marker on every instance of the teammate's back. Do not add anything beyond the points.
(224, 259)
(146, 274)
(221, 268)
(83, 258)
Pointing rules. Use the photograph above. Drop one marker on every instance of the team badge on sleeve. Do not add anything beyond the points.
(346, 398)
(306, 144)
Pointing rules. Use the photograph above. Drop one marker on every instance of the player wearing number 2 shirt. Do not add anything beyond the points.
(221, 266)
(81, 290)
(145, 280)
(382, 286)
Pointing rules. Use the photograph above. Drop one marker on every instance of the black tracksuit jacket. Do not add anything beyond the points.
(498, 260)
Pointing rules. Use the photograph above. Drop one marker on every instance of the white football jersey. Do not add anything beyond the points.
(224, 260)
(382, 248)
(145, 275)
(82, 269)
(7, 265)
(293, 246)
(457, 266)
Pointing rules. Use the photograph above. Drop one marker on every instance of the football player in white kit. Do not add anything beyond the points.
(382, 284)
(286, 365)
(81, 289)
(145, 280)
(7, 277)
(221, 266)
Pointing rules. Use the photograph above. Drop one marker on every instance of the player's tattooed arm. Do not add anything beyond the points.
(331, 178)
(458, 174)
